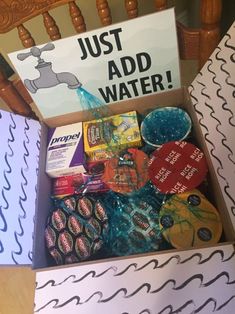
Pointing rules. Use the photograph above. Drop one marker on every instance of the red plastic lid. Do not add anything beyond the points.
(177, 167)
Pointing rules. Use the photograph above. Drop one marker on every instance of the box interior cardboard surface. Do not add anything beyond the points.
(142, 105)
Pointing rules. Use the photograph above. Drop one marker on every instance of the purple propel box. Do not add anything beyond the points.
(65, 152)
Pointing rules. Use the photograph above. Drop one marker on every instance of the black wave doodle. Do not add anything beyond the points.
(145, 311)
(98, 295)
(218, 93)
(227, 187)
(38, 151)
(213, 301)
(1, 245)
(16, 236)
(232, 56)
(23, 197)
(198, 277)
(224, 140)
(91, 273)
(227, 80)
(199, 113)
(30, 256)
(170, 310)
(7, 157)
(206, 134)
(154, 262)
(25, 143)
(226, 303)
(7, 185)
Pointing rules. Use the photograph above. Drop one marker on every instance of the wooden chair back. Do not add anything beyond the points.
(193, 43)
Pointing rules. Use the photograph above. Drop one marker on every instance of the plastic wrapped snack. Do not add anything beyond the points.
(76, 228)
(134, 225)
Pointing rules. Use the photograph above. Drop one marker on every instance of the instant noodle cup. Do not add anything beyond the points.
(190, 220)
(127, 172)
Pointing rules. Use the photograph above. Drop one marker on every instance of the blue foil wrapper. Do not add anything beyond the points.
(134, 221)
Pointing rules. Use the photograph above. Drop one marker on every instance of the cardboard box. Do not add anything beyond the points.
(178, 98)
(193, 278)
(188, 281)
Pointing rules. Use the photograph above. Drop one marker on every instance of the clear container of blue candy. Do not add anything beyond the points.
(165, 124)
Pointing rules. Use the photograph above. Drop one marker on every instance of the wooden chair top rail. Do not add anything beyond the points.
(16, 12)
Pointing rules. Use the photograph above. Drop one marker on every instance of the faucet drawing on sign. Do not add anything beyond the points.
(47, 78)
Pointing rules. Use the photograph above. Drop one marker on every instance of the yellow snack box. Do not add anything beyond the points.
(108, 135)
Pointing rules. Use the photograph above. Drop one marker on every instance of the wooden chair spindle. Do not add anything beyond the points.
(160, 5)
(131, 8)
(104, 12)
(211, 11)
(77, 17)
(51, 27)
(25, 36)
(13, 99)
(19, 85)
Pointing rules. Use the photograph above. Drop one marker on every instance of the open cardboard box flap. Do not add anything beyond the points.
(20, 145)
(213, 97)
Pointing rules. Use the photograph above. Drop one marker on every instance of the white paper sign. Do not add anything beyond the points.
(115, 63)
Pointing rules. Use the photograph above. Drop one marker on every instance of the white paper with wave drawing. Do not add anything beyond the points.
(213, 96)
(19, 153)
(194, 281)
